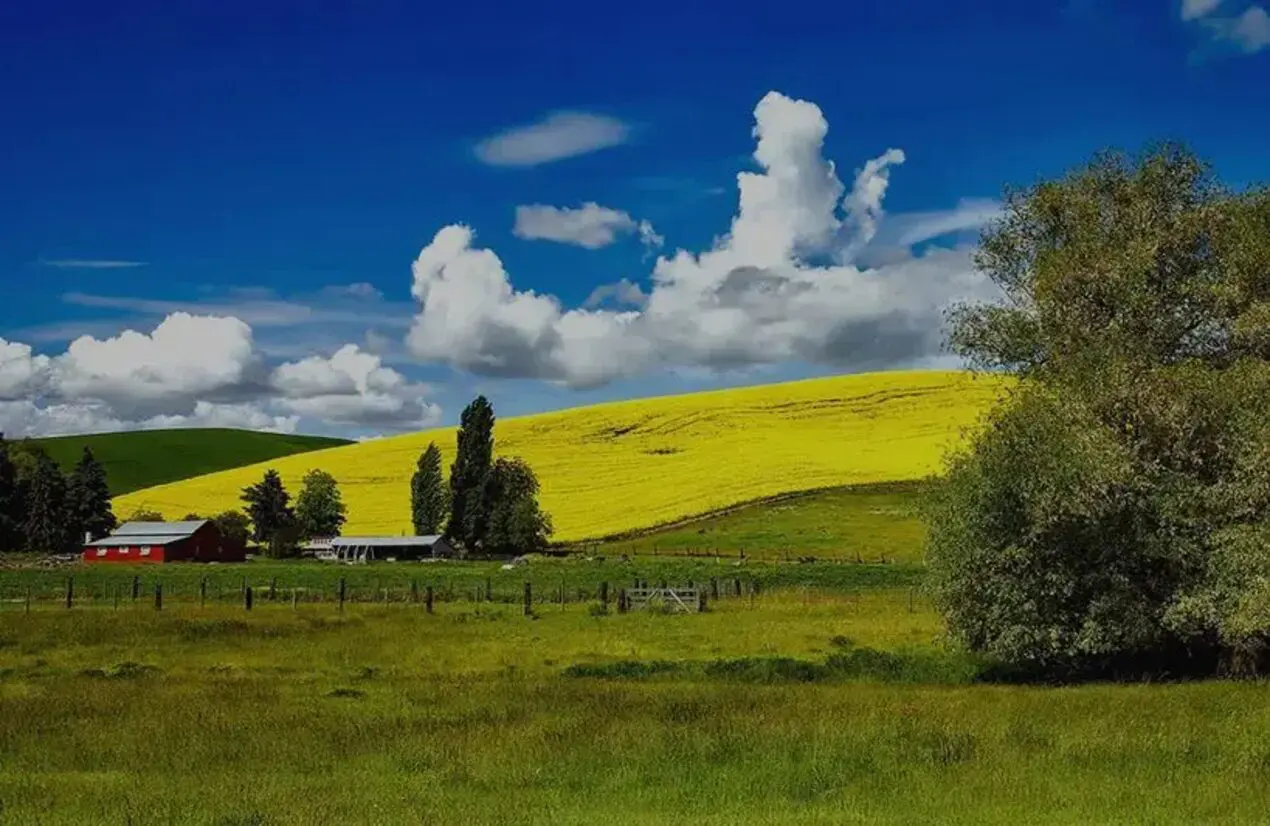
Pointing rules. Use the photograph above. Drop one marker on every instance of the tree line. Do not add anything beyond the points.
(44, 509)
(487, 505)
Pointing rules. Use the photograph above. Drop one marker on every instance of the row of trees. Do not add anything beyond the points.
(44, 509)
(487, 505)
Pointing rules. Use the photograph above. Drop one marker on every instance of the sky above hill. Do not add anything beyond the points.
(350, 218)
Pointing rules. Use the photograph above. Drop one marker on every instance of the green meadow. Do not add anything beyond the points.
(141, 459)
(800, 705)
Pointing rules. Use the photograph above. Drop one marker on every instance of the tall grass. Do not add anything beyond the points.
(478, 715)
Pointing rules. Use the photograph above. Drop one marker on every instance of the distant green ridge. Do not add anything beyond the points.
(143, 458)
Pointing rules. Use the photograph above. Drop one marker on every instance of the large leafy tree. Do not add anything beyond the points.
(515, 524)
(429, 497)
(88, 498)
(46, 524)
(273, 520)
(1116, 510)
(12, 509)
(234, 526)
(469, 509)
(319, 509)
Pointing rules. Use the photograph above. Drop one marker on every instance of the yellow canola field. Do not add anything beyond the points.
(623, 466)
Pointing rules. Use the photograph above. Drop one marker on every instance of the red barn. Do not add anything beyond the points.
(165, 542)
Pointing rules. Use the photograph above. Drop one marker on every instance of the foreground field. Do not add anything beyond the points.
(799, 708)
(143, 459)
(620, 467)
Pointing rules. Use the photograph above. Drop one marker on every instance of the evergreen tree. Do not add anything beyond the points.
(88, 499)
(11, 506)
(469, 511)
(516, 524)
(429, 497)
(319, 509)
(269, 508)
(46, 516)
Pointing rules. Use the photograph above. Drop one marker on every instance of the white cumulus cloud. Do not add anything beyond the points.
(558, 136)
(199, 371)
(591, 226)
(781, 285)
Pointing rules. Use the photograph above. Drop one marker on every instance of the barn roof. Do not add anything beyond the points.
(150, 533)
(384, 541)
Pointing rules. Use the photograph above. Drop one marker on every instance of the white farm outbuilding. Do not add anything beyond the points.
(361, 549)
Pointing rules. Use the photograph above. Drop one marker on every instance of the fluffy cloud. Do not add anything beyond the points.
(559, 135)
(782, 285)
(590, 225)
(1248, 31)
(198, 371)
(353, 387)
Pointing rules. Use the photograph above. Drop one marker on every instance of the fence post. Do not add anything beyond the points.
(489, 590)
(701, 600)
(247, 598)
(70, 591)
(341, 595)
(295, 598)
(202, 592)
(622, 600)
(158, 596)
(273, 589)
(714, 587)
(428, 598)
(115, 591)
(604, 594)
(414, 591)
(28, 599)
(755, 587)
(736, 586)
(529, 599)
(136, 588)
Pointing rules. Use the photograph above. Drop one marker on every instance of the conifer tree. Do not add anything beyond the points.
(11, 507)
(88, 499)
(46, 514)
(269, 508)
(429, 497)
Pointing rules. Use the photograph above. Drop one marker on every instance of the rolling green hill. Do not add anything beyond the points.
(141, 459)
(868, 523)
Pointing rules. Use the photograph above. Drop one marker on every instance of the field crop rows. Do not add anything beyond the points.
(626, 466)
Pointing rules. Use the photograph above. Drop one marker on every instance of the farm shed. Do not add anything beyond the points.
(371, 548)
(165, 542)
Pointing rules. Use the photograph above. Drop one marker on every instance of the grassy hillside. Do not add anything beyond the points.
(614, 468)
(146, 458)
(869, 523)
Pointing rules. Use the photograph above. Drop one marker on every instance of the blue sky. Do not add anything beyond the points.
(252, 161)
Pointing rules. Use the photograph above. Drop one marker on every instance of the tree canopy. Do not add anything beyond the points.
(319, 509)
(88, 498)
(469, 509)
(12, 508)
(515, 523)
(1116, 510)
(429, 497)
(46, 524)
(272, 517)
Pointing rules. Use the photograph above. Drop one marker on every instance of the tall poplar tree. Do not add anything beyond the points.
(469, 510)
(429, 497)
